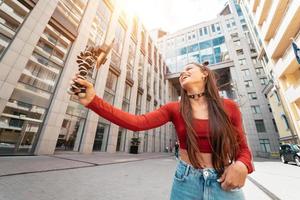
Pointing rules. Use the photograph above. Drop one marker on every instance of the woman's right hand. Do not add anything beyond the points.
(90, 91)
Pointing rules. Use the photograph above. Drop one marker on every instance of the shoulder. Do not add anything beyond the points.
(233, 110)
(231, 107)
(230, 104)
(172, 105)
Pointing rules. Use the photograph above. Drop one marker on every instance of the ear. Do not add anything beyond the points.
(205, 73)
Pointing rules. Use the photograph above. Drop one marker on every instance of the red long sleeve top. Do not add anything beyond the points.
(170, 113)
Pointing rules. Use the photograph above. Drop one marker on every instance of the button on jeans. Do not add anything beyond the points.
(200, 184)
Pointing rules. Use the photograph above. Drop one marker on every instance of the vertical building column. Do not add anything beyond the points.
(21, 48)
(134, 89)
(151, 132)
(88, 137)
(144, 96)
(114, 129)
(50, 130)
(157, 131)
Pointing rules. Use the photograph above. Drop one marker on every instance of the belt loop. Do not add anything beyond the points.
(187, 169)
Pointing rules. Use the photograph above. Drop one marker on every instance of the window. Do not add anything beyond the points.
(245, 27)
(269, 106)
(205, 31)
(252, 95)
(205, 44)
(234, 36)
(127, 92)
(201, 32)
(138, 104)
(277, 96)
(242, 61)
(265, 145)
(213, 29)
(181, 51)
(126, 98)
(260, 126)
(218, 41)
(240, 52)
(286, 123)
(259, 71)
(263, 81)
(100, 24)
(248, 83)
(275, 125)
(237, 43)
(111, 81)
(193, 48)
(13, 14)
(246, 72)
(255, 109)
(217, 25)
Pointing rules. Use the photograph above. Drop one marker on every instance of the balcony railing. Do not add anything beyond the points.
(297, 39)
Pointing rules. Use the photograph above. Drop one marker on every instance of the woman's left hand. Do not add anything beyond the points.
(234, 176)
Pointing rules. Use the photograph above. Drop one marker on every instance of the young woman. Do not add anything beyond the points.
(214, 156)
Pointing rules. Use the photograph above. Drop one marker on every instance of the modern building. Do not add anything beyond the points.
(272, 24)
(39, 42)
(227, 44)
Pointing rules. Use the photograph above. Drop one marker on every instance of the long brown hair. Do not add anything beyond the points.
(223, 139)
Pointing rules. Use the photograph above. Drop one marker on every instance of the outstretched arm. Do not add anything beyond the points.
(244, 155)
(234, 176)
(129, 121)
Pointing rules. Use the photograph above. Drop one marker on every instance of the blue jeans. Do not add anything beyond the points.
(200, 184)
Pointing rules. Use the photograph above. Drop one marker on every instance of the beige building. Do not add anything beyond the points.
(272, 24)
(39, 42)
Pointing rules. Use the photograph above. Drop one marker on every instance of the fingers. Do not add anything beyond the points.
(222, 178)
(84, 83)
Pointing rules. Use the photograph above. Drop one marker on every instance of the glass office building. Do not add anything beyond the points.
(229, 47)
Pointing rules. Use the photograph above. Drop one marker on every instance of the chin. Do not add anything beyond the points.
(185, 86)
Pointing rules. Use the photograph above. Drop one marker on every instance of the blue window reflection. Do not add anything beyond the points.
(209, 58)
(195, 58)
(218, 41)
(193, 48)
(206, 44)
(181, 51)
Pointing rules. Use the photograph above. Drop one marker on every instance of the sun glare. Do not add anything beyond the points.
(144, 9)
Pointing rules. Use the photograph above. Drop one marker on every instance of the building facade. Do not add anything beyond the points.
(39, 42)
(227, 44)
(272, 24)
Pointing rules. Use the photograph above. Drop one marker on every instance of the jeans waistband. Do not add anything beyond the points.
(207, 173)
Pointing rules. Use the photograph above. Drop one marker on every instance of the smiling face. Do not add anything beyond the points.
(193, 78)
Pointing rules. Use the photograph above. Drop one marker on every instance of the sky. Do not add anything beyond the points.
(172, 15)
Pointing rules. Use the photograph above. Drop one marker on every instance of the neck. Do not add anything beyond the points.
(202, 101)
(197, 97)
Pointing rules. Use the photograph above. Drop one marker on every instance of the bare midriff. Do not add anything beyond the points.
(205, 159)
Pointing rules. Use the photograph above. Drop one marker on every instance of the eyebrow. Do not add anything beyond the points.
(189, 67)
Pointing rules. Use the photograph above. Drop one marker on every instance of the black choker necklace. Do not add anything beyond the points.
(192, 96)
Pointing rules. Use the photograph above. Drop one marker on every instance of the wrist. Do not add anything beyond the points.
(242, 165)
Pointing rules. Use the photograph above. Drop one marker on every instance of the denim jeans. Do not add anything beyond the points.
(200, 184)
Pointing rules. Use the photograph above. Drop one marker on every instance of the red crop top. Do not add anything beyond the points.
(170, 112)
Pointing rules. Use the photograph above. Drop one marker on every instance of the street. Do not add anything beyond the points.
(123, 176)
